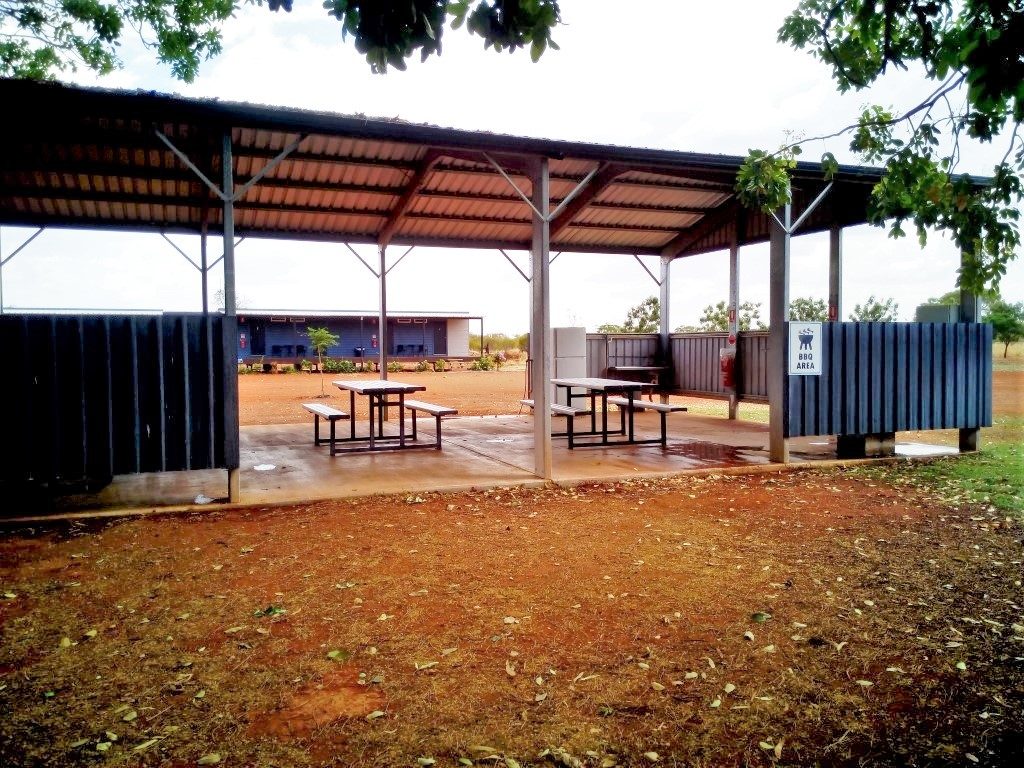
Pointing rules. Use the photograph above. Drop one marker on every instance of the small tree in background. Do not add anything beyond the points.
(645, 317)
(716, 317)
(873, 310)
(321, 339)
(1007, 322)
(807, 309)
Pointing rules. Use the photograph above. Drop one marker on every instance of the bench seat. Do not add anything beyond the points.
(663, 409)
(322, 411)
(437, 411)
(643, 405)
(568, 411)
(433, 410)
(557, 409)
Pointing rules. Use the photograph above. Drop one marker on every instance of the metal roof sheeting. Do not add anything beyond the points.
(92, 158)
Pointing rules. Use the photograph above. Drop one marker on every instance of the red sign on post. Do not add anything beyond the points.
(373, 341)
(732, 315)
(833, 312)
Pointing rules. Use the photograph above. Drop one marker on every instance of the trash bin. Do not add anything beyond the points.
(359, 351)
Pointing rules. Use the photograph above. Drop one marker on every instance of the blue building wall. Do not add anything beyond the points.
(288, 340)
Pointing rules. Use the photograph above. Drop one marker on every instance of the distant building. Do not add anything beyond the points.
(281, 334)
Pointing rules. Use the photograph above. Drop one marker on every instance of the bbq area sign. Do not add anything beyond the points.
(805, 349)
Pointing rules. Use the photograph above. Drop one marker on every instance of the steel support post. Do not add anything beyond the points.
(665, 324)
(540, 319)
(734, 321)
(229, 337)
(211, 393)
(835, 274)
(382, 319)
(778, 380)
(970, 439)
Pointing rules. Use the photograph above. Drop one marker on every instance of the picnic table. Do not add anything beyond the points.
(380, 393)
(625, 398)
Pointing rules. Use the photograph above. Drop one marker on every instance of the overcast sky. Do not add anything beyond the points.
(692, 76)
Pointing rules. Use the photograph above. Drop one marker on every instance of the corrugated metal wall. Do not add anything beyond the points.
(290, 340)
(607, 350)
(889, 377)
(88, 397)
(695, 357)
(752, 364)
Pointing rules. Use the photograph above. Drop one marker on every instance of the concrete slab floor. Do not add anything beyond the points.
(279, 464)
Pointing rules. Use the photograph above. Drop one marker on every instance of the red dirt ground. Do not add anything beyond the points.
(600, 623)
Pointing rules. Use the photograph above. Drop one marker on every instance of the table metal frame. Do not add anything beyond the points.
(380, 394)
(600, 389)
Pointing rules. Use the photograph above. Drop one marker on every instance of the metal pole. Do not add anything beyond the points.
(734, 321)
(230, 335)
(970, 439)
(211, 393)
(382, 320)
(540, 324)
(1, 271)
(204, 270)
(835, 274)
(664, 324)
(778, 380)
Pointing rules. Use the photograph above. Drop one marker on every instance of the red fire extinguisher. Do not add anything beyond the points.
(373, 341)
(727, 367)
(241, 340)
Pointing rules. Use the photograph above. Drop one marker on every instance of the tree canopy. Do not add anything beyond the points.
(972, 51)
(645, 317)
(39, 39)
(716, 317)
(808, 309)
(873, 310)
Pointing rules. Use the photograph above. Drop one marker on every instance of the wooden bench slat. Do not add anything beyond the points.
(431, 408)
(325, 411)
(560, 410)
(643, 405)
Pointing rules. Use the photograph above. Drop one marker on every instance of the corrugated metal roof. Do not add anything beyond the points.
(92, 158)
(369, 313)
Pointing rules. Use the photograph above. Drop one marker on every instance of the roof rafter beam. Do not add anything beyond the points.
(405, 200)
(713, 220)
(588, 190)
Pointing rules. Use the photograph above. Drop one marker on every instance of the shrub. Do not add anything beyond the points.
(484, 363)
(338, 366)
(395, 367)
(440, 366)
(423, 365)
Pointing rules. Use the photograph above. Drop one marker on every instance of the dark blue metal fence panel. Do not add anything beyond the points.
(95, 396)
(891, 377)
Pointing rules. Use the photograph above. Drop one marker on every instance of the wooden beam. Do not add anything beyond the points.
(713, 221)
(600, 182)
(401, 207)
